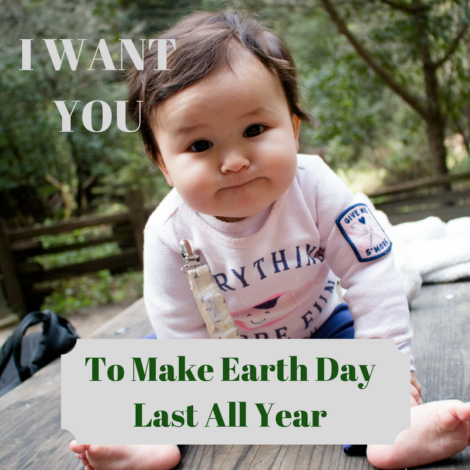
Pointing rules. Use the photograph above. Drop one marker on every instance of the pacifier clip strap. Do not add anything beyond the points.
(209, 298)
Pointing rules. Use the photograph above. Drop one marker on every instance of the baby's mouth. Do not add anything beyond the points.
(240, 185)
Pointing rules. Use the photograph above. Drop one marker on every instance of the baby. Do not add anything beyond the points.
(275, 228)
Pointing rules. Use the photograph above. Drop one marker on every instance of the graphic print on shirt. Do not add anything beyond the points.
(267, 313)
(264, 268)
(362, 231)
(272, 318)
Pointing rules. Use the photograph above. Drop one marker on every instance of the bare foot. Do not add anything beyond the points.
(124, 457)
(438, 430)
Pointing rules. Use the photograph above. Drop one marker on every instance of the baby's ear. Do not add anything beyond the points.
(158, 159)
(162, 166)
(296, 127)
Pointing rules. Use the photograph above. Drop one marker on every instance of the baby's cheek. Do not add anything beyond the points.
(196, 192)
(284, 169)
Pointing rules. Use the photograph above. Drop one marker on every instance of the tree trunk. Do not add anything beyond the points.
(429, 109)
(435, 130)
(80, 176)
(435, 120)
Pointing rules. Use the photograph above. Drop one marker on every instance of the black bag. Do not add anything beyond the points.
(21, 357)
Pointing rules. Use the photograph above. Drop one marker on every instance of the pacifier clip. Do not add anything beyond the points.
(209, 298)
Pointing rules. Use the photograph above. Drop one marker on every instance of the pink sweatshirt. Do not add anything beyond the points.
(278, 281)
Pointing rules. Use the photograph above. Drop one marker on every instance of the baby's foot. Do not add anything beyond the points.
(438, 430)
(123, 457)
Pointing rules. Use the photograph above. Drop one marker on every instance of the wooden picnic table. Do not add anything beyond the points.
(31, 438)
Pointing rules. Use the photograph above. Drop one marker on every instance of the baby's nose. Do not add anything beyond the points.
(234, 161)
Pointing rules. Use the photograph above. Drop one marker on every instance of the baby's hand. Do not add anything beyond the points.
(415, 389)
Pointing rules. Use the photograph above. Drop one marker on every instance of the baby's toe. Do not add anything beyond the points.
(78, 448)
(416, 395)
(103, 455)
(84, 459)
(452, 414)
(463, 411)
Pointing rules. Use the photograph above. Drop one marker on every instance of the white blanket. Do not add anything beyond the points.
(428, 250)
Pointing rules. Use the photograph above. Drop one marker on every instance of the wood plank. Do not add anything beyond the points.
(441, 370)
(441, 333)
(10, 276)
(30, 423)
(70, 225)
(29, 268)
(22, 251)
(444, 368)
(135, 202)
(239, 457)
(441, 198)
(206, 457)
(30, 431)
(65, 226)
(128, 258)
(35, 441)
(427, 182)
(444, 213)
(269, 457)
(132, 323)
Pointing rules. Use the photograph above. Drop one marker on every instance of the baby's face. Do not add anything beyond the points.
(229, 143)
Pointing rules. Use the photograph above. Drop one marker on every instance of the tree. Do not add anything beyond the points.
(51, 166)
(363, 125)
(424, 34)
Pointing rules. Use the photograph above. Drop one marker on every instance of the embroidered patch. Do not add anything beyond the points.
(362, 231)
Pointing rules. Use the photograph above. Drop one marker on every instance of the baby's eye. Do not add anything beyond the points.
(200, 146)
(254, 130)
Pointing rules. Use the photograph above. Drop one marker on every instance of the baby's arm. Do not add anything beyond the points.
(169, 301)
(375, 293)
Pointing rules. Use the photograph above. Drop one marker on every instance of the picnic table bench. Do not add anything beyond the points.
(31, 438)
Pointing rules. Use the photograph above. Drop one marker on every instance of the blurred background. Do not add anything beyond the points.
(387, 80)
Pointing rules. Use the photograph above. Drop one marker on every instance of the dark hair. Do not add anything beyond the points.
(202, 42)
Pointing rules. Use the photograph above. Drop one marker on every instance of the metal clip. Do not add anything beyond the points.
(190, 259)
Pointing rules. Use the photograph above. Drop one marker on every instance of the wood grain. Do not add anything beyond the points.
(31, 437)
(30, 434)
(9, 274)
(23, 250)
(70, 225)
(440, 198)
(33, 272)
(444, 213)
(65, 226)
(441, 348)
(428, 181)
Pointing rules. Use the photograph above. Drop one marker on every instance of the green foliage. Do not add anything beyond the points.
(89, 167)
(361, 122)
(361, 119)
(156, 15)
(93, 290)
(90, 290)
(365, 128)
(75, 256)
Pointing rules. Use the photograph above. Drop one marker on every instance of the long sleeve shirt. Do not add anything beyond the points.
(277, 270)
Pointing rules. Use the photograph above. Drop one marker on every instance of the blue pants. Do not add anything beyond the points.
(340, 325)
